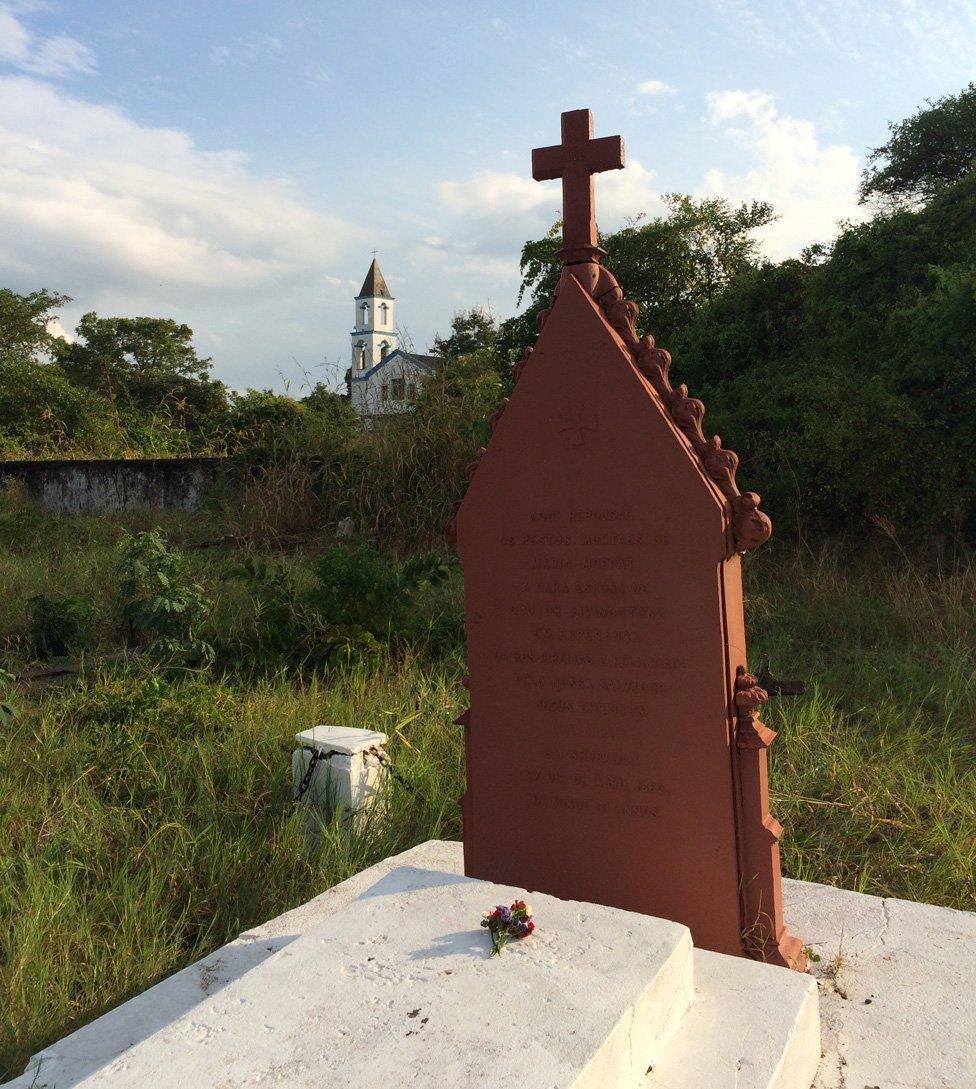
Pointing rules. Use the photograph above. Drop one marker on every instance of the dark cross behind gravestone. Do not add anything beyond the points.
(776, 687)
(614, 748)
(576, 160)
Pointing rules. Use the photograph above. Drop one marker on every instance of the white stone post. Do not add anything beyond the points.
(348, 774)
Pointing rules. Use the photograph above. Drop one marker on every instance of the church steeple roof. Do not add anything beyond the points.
(374, 286)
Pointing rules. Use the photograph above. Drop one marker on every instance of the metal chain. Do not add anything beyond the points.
(382, 758)
(306, 782)
(388, 764)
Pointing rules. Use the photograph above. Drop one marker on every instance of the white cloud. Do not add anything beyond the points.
(126, 201)
(14, 39)
(506, 196)
(61, 56)
(811, 185)
(623, 194)
(56, 329)
(57, 56)
(244, 51)
(655, 87)
(492, 192)
(131, 219)
(487, 219)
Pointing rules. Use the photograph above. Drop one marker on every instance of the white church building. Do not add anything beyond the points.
(384, 379)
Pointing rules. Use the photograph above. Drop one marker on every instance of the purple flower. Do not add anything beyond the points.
(506, 924)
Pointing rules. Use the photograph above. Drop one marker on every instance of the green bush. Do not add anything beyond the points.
(7, 710)
(833, 452)
(355, 603)
(360, 588)
(263, 427)
(276, 625)
(59, 624)
(44, 414)
(847, 381)
(160, 608)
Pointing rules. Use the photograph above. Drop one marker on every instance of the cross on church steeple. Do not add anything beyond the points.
(576, 160)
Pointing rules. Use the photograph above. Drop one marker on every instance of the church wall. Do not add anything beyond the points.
(373, 343)
(370, 399)
(373, 340)
(376, 318)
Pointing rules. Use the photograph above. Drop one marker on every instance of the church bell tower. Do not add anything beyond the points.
(373, 338)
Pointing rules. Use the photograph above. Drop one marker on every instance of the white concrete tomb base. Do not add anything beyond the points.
(398, 989)
(272, 1006)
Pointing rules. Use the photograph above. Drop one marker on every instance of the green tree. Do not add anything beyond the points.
(338, 418)
(873, 266)
(933, 148)
(146, 364)
(759, 317)
(847, 382)
(474, 330)
(24, 321)
(669, 265)
(43, 414)
(833, 450)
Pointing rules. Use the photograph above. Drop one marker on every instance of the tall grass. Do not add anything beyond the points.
(147, 821)
(874, 773)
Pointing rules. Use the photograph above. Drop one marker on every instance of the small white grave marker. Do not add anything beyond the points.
(349, 768)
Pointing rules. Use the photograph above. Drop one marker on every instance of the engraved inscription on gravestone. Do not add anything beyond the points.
(601, 538)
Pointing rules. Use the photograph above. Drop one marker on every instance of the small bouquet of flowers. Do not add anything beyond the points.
(506, 924)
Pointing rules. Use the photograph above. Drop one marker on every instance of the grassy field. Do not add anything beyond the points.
(146, 816)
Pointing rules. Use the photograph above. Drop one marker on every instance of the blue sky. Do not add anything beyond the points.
(232, 165)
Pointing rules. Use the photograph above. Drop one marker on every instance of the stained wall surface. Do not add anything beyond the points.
(72, 487)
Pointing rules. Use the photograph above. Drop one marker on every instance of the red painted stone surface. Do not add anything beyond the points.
(614, 752)
(576, 160)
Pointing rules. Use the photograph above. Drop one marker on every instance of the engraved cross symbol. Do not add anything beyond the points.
(576, 160)
(579, 418)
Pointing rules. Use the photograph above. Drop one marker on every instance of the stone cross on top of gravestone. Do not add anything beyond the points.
(614, 749)
(576, 160)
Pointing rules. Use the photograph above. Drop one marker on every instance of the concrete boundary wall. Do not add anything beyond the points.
(93, 487)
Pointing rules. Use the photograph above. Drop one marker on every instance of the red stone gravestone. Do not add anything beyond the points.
(614, 753)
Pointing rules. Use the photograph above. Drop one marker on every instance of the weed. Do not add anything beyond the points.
(7, 710)
(158, 605)
(831, 970)
(146, 818)
(351, 604)
(59, 624)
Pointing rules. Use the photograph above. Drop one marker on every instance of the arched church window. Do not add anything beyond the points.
(384, 311)
(365, 310)
(384, 349)
(361, 356)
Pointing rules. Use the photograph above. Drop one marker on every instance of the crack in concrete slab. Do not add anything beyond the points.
(886, 922)
(630, 1038)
